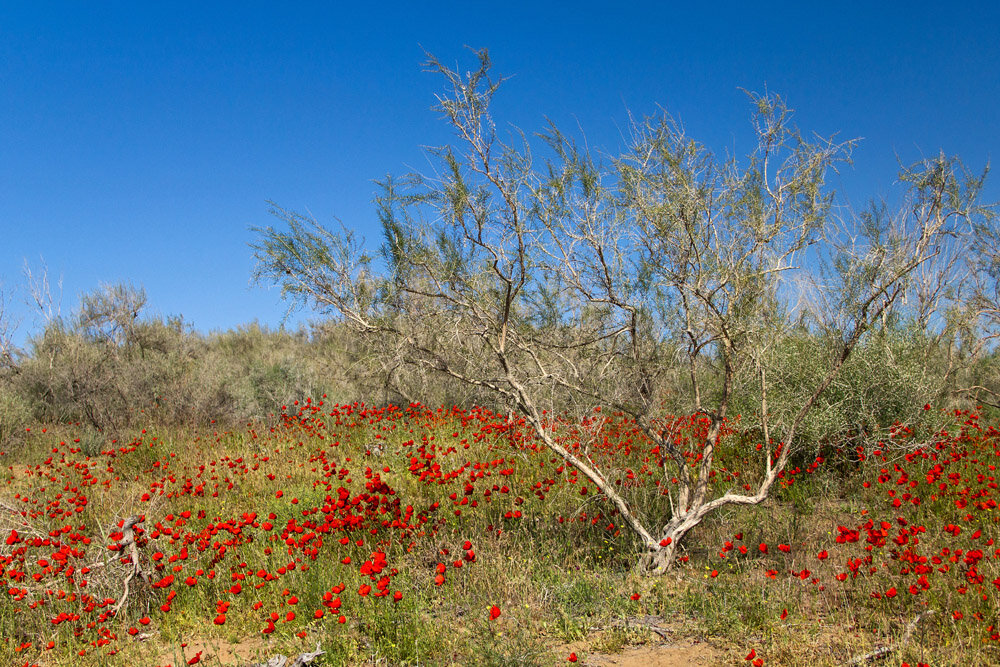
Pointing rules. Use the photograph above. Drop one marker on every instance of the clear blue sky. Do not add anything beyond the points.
(139, 142)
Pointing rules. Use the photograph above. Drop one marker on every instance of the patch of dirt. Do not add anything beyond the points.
(655, 643)
(683, 652)
(216, 652)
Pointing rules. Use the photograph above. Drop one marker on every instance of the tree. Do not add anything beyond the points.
(8, 326)
(565, 282)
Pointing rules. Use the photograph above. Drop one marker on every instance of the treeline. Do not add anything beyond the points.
(115, 369)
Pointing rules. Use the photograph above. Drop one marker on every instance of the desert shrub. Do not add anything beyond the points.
(891, 375)
(15, 412)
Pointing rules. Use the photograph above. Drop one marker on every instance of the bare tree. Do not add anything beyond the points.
(563, 282)
(8, 327)
(40, 292)
(111, 313)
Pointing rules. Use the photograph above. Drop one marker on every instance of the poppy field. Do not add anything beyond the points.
(418, 535)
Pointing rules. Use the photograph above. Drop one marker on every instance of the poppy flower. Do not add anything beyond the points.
(494, 613)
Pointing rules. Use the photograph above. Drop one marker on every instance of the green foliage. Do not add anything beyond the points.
(15, 413)
(889, 377)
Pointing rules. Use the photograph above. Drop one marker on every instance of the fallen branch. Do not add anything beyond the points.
(128, 540)
(651, 623)
(885, 650)
(282, 661)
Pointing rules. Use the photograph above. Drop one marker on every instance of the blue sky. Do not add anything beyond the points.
(139, 143)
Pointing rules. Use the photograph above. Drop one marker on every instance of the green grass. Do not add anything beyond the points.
(560, 578)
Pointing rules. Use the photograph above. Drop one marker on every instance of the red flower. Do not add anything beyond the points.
(751, 655)
(571, 658)
(494, 613)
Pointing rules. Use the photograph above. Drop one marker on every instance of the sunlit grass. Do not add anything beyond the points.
(456, 512)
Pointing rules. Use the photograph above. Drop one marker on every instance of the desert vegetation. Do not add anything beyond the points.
(577, 401)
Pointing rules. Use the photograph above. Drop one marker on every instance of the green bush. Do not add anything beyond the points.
(15, 413)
